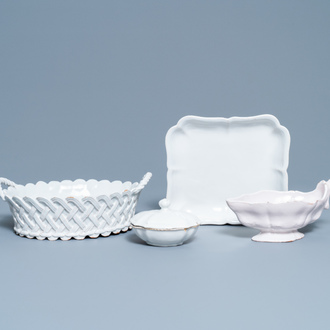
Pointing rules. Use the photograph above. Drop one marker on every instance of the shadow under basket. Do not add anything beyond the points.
(72, 209)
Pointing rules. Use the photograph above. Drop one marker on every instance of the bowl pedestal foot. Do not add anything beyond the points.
(278, 237)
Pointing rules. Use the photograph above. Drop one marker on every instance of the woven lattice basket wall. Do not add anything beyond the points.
(72, 209)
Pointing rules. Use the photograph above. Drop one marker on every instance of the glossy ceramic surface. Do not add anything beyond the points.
(165, 227)
(212, 159)
(279, 215)
(72, 209)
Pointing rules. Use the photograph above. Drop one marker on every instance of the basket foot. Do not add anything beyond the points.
(79, 237)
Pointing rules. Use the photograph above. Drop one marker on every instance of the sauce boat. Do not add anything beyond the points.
(279, 214)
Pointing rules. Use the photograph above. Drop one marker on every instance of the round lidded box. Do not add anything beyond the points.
(165, 227)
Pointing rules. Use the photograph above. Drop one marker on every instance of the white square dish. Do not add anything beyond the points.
(212, 159)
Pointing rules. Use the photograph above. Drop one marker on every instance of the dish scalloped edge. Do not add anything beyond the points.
(271, 118)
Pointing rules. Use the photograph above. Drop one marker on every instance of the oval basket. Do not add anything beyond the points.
(72, 209)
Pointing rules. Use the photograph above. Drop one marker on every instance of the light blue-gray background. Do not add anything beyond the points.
(88, 89)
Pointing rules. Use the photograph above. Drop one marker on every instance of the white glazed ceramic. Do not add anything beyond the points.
(277, 214)
(165, 227)
(70, 209)
(212, 159)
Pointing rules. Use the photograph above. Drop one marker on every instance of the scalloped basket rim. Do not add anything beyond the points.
(69, 181)
(77, 181)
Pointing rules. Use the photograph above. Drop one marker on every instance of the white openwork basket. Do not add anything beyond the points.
(72, 209)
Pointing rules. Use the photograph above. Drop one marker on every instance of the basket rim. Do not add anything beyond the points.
(13, 191)
(66, 181)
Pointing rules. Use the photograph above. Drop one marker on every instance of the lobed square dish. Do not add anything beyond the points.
(212, 159)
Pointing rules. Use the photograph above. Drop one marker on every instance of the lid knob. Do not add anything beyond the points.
(164, 203)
